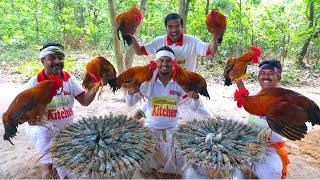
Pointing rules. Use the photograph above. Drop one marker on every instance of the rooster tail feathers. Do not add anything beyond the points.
(9, 132)
(204, 92)
(113, 84)
(220, 39)
(314, 117)
(227, 81)
(256, 55)
(120, 26)
(127, 39)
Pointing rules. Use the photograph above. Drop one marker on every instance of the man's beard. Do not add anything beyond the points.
(56, 72)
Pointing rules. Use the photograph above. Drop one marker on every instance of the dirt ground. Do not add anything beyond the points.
(21, 161)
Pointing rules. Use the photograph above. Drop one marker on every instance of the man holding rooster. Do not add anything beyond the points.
(59, 112)
(163, 96)
(187, 48)
(275, 165)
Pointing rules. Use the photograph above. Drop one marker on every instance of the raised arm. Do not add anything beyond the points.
(136, 46)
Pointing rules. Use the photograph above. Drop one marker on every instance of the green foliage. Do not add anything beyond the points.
(274, 26)
(30, 68)
(292, 75)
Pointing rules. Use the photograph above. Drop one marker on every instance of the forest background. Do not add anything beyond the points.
(287, 30)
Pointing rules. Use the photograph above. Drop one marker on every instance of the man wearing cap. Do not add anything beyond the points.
(59, 112)
(163, 97)
(276, 161)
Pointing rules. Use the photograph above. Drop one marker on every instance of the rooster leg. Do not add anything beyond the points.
(245, 76)
(143, 97)
(96, 87)
(50, 126)
(262, 134)
(269, 136)
(100, 92)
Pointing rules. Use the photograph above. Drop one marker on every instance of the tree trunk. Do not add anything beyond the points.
(59, 5)
(95, 22)
(116, 42)
(307, 42)
(207, 8)
(183, 11)
(239, 42)
(129, 51)
(36, 18)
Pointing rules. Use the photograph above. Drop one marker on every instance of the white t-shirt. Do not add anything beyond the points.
(60, 110)
(162, 104)
(186, 50)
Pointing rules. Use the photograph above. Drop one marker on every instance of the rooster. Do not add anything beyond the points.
(135, 76)
(216, 25)
(286, 111)
(190, 81)
(235, 68)
(127, 23)
(29, 105)
(98, 69)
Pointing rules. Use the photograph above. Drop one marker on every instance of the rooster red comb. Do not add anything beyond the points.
(57, 80)
(153, 65)
(238, 94)
(256, 55)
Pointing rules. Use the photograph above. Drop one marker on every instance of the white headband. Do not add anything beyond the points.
(165, 53)
(50, 50)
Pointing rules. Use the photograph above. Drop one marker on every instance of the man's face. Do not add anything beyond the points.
(53, 63)
(165, 65)
(174, 29)
(268, 78)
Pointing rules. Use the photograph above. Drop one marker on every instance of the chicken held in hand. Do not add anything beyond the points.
(216, 25)
(127, 23)
(236, 68)
(29, 106)
(99, 71)
(286, 111)
(190, 81)
(135, 76)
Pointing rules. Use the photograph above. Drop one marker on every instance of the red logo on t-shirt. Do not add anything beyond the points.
(65, 93)
(171, 91)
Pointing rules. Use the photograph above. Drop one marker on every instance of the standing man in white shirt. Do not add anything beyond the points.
(276, 160)
(162, 114)
(59, 112)
(186, 48)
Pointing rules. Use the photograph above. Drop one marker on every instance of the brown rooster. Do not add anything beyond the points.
(29, 105)
(235, 68)
(127, 23)
(286, 111)
(216, 24)
(98, 69)
(190, 81)
(135, 76)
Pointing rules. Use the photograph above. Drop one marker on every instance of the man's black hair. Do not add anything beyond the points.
(173, 16)
(167, 48)
(272, 63)
(52, 44)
